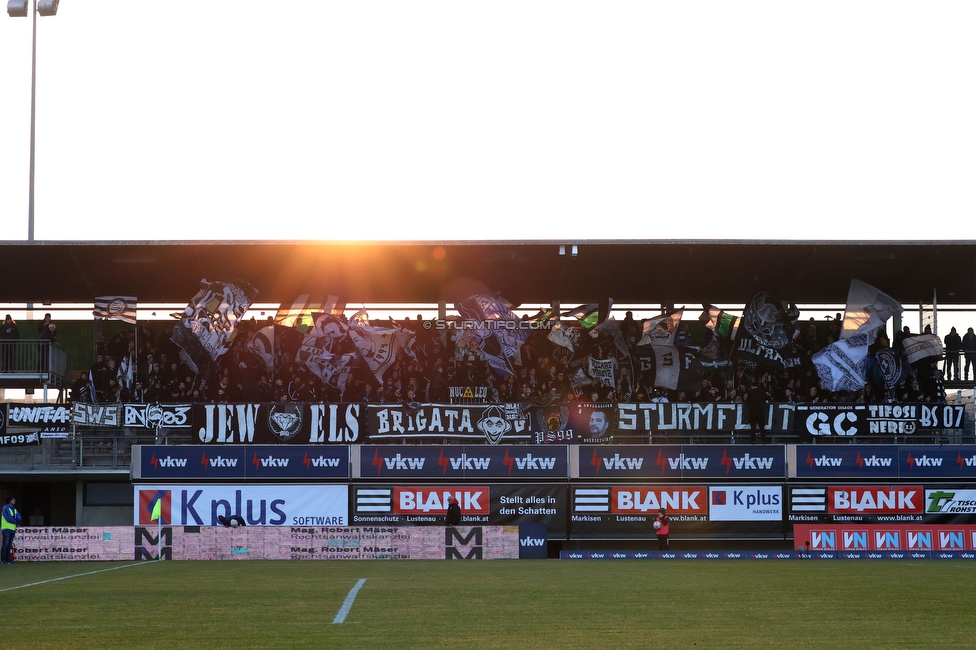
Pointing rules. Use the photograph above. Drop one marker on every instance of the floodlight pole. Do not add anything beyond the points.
(30, 187)
(18, 9)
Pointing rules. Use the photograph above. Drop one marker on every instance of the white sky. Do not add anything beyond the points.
(418, 120)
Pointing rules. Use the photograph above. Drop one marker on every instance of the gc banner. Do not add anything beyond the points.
(847, 420)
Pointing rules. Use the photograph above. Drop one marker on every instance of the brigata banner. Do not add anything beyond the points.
(488, 504)
(303, 424)
(470, 462)
(880, 537)
(259, 504)
(228, 462)
(492, 424)
(696, 511)
(847, 420)
(699, 417)
(691, 462)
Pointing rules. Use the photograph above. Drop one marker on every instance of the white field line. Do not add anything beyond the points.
(347, 605)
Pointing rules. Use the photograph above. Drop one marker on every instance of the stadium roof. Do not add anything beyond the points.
(642, 272)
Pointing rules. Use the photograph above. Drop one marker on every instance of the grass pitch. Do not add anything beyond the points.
(490, 604)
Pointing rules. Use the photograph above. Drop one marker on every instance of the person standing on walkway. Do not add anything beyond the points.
(9, 518)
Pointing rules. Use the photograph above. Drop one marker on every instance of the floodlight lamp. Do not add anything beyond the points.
(17, 8)
(47, 7)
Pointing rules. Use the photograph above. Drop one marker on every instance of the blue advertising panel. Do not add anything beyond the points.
(532, 541)
(932, 461)
(683, 461)
(190, 462)
(297, 462)
(467, 461)
(240, 462)
(847, 461)
(886, 461)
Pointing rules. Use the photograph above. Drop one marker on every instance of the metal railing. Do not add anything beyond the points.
(33, 362)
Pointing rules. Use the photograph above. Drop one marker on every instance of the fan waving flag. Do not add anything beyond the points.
(209, 323)
(867, 309)
(121, 308)
(842, 364)
(661, 330)
(498, 331)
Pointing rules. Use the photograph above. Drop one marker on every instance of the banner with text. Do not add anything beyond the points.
(276, 423)
(475, 423)
(700, 417)
(848, 420)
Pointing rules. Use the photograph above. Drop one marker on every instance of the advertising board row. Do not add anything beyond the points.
(592, 511)
(114, 543)
(547, 462)
(325, 424)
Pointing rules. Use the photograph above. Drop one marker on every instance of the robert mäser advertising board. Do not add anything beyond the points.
(259, 505)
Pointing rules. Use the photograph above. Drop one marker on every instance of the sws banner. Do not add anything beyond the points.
(848, 420)
(258, 504)
(276, 423)
(464, 461)
(909, 462)
(693, 462)
(485, 504)
(196, 462)
(700, 417)
(491, 424)
(59, 418)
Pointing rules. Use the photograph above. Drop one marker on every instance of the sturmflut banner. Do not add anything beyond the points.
(699, 417)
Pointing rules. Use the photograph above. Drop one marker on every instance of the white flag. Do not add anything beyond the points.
(867, 309)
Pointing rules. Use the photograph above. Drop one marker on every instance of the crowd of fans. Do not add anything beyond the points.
(152, 371)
